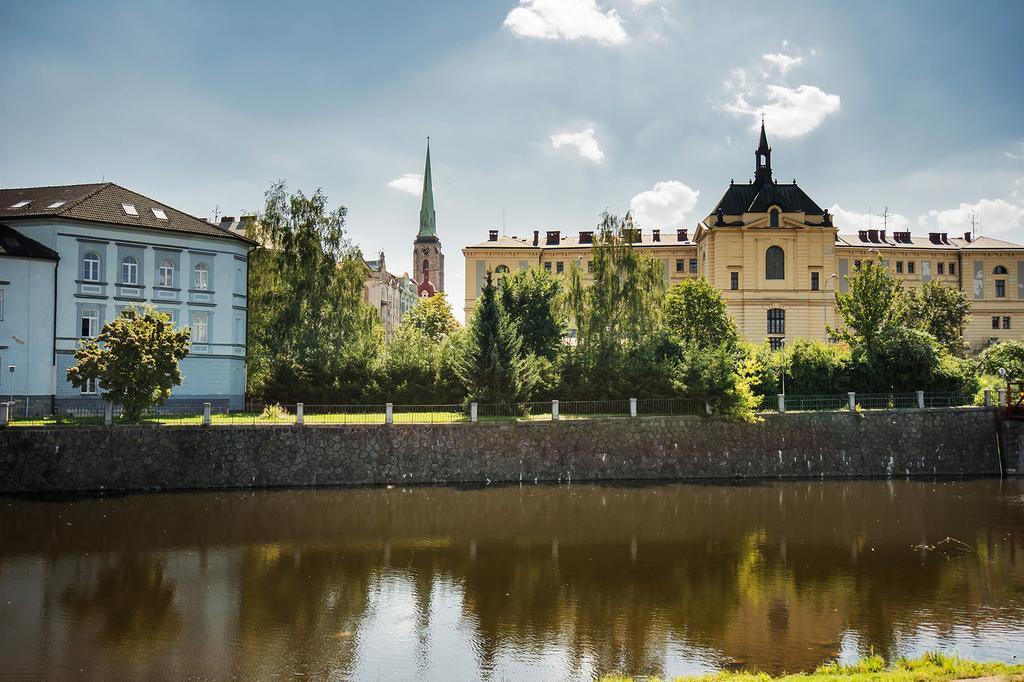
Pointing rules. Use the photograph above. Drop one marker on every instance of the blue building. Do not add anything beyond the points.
(72, 257)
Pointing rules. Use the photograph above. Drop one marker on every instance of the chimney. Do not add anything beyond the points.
(553, 237)
(492, 235)
(881, 236)
(944, 237)
(681, 236)
(967, 237)
(536, 237)
(933, 237)
(655, 235)
(227, 219)
(586, 237)
(863, 235)
(873, 236)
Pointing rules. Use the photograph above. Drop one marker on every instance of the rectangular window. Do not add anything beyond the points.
(776, 321)
(680, 265)
(814, 281)
(1006, 323)
(693, 266)
(995, 322)
(734, 280)
(90, 322)
(89, 387)
(856, 265)
(941, 267)
(200, 328)
(547, 265)
(910, 267)
(776, 342)
(129, 209)
(560, 266)
(952, 268)
(1000, 288)
(590, 266)
(899, 267)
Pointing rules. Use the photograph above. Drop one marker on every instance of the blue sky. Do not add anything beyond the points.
(551, 110)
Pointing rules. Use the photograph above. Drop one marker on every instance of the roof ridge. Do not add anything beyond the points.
(71, 204)
(73, 184)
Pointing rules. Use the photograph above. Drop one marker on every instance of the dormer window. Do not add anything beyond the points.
(773, 217)
(129, 209)
(22, 204)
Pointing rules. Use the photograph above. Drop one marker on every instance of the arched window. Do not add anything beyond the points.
(426, 264)
(201, 277)
(91, 267)
(129, 270)
(774, 263)
(501, 271)
(166, 276)
(776, 321)
(999, 270)
(773, 217)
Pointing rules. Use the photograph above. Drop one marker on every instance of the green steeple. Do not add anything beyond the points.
(428, 221)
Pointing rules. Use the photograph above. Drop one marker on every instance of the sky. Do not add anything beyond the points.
(541, 113)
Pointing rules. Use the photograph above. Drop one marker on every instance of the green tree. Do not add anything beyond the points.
(495, 370)
(432, 316)
(942, 311)
(694, 313)
(529, 298)
(134, 360)
(875, 301)
(311, 335)
(1008, 355)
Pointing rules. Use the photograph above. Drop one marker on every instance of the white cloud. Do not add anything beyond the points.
(851, 220)
(1016, 156)
(783, 62)
(666, 205)
(566, 20)
(1018, 190)
(790, 112)
(583, 141)
(642, 3)
(409, 182)
(997, 217)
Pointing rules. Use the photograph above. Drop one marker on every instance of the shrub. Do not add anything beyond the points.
(1008, 355)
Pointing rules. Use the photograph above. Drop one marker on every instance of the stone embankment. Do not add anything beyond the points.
(935, 442)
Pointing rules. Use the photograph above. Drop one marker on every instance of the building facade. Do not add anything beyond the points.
(79, 254)
(778, 258)
(427, 257)
(392, 296)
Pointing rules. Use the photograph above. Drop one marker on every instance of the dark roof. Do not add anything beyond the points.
(759, 198)
(101, 203)
(16, 245)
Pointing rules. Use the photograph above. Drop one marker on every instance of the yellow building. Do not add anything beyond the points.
(778, 258)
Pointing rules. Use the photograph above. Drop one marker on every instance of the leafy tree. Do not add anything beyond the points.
(311, 335)
(941, 311)
(134, 360)
(432, 316)
(901, 359)
(529, 298)
(694, 312)
(723, 377)
(875, 301)
(1008, 355)
(812, 368)
(495, 370)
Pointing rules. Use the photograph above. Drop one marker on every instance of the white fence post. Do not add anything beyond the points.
(5, 414)
(207, 414)
(853, 400)
(299, 416)
(554, 410)
(108, 414)
(782, 403)
(920, 400)
(632, 407)
(1002, 397)
(389, 413)
(472, 412)
(988, 397)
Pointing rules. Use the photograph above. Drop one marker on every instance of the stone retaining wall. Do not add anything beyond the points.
(942, 442)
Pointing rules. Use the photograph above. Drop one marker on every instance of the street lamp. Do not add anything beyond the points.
(11, 368)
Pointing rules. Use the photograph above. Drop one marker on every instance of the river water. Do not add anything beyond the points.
(533, 582)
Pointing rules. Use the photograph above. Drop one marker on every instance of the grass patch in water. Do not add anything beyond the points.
(931, 666)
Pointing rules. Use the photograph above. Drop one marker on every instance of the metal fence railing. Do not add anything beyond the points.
(261, 414)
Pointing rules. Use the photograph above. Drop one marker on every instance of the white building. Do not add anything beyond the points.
(74, 256)
(390, 295)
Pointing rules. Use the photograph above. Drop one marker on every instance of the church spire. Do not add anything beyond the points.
(763, 166)
(428, 221)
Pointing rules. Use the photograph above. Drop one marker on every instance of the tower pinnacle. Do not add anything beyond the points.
(428, 221)
(763, 154)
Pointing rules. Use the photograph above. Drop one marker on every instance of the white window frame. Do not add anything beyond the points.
(91, 267)
(201, 277)
(166, 274)
(204, 326)
(129, 209)
(90, 387)
(130, 270)
(94, 322)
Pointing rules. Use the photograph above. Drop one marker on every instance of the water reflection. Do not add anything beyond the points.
(509, 582)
